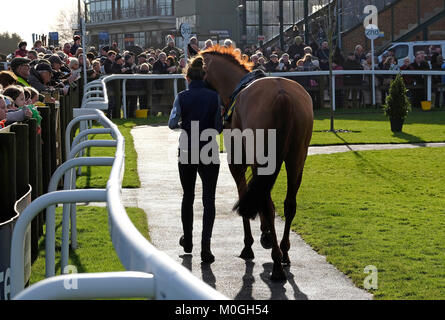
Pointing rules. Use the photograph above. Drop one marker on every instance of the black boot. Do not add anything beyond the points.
(187, 244)
(206, 253)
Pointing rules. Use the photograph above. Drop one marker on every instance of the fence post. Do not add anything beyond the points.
(45, 112)
(33, 181)
(22, 158)
(8, 187)
(53, 136)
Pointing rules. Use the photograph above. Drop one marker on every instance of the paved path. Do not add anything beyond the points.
(309, 277)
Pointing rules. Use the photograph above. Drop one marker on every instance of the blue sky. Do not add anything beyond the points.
(26, 17)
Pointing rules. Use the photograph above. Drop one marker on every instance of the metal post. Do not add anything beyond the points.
(334, 97)
(281, 15)
(429, 88)
(373, 73)
(306, 21)
(124, 93)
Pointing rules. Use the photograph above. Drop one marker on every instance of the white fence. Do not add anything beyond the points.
(96, 96)
(151, 273)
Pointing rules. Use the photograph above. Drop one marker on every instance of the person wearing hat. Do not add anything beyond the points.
(273, 64)
(296, 51)
(76, 45)
(40, 76)
(171, 46)
(193, 47)
(21, 51)
(21, 68)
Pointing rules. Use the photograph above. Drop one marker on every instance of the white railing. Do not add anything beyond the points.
(151, 273)
(97, 97)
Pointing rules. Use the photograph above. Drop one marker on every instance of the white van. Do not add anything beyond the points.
(403, 50)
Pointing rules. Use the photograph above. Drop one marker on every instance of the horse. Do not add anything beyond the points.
(266, 103)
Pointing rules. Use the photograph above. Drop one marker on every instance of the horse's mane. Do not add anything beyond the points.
(230, 54)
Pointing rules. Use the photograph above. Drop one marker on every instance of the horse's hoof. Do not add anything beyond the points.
(286, 261)
(247, 254)
(278, 275)
(266, 240)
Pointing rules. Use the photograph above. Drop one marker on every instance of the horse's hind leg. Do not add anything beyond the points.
(294, 179)
(277, 256)
(239, 174)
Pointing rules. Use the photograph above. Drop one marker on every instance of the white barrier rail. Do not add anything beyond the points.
(153, 273)
(98, 96)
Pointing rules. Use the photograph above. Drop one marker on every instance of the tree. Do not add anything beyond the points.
(66, 23)
(9, 42)
(327, 26)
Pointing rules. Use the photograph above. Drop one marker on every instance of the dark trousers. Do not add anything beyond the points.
(209, 176)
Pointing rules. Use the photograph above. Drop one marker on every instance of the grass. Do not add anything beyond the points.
(381, 208)
(370, 128)
(95, 251)
(97, 177)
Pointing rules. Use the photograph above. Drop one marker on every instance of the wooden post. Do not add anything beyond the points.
(53, 137)
(33, 181)
(8, 193)
(46, 146)
(22, 158)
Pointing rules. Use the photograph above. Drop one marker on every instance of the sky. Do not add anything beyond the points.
(26, 17)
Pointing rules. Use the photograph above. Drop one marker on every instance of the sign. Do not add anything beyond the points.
(221, 33)
(191, 20)
(261, 38)
(53, 38)
(372, 32)
(186, 31)
(104, 38)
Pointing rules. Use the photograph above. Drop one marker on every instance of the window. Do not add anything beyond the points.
(400, 51)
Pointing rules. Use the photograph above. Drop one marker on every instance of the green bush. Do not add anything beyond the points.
(397, 103)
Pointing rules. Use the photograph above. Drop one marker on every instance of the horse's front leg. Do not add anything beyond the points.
(239, 174)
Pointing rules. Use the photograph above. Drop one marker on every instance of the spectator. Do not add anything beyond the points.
(21, 51)
(67, 49)
(409, 80)
(40, 76)
(76, 45)
(285, 63)
(97, 68)
(32, 55)
(353, 82)
(17, 94)
(437, 80)
(21, 68)
(11, 115)
(193, 47)
(75, 68)
(419, 64)
(142, 58)
(339, 98)
(38, 47)
(171, 63)
(296, 51)
(323, 56)
(7, 78)
(208, 44)
(118, 64)
(359, 54)
(171, 46)
(182, 66)
(228, 43)
(160, 66)
(273, 64)
(108, 64)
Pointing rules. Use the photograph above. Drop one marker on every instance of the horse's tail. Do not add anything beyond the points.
(255, 198)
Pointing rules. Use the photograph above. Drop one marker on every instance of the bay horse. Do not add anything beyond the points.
(267, 103)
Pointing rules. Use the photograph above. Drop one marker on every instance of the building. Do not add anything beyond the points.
(144, 23)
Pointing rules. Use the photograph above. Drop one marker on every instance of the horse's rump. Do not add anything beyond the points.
(282, 105)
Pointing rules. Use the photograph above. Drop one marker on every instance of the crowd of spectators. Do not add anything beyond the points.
(49, 70)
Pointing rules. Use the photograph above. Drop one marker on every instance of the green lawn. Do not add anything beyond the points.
(381, 208)
(365, 128)
(97, 177)
(95, 251)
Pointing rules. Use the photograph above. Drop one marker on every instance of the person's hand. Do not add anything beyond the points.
(28, 113)
(65, 91)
